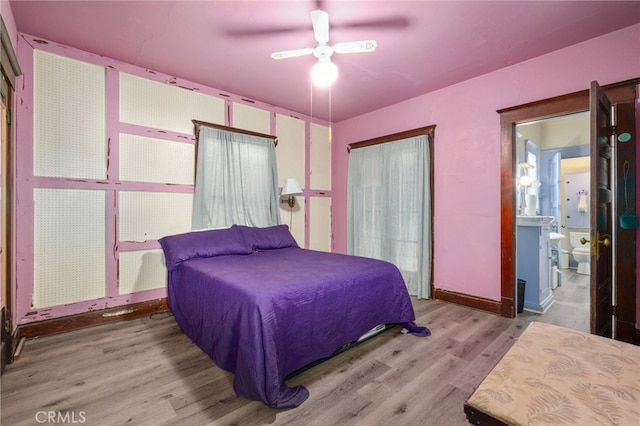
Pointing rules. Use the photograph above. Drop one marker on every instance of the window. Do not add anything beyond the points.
(236, 180)
(389, 207)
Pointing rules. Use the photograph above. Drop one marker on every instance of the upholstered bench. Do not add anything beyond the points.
(557, 376)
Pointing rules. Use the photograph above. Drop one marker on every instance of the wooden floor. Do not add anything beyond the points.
(571, 307)
(147, 372)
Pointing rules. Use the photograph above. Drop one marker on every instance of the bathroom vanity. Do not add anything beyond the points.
(534, 261)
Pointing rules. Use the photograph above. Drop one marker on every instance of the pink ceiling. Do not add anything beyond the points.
(422, 45)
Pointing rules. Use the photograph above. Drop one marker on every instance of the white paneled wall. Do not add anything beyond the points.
(320, 179)
(295, 219)
(69, 246)
(290, 154)
(141, 270)
(113, 171)
(290, 151)
(144, 159)
(251, 118)
(152, 215)
(69, 137)
(158, 105)
(320, 157)
(71, 258)
(320, 224)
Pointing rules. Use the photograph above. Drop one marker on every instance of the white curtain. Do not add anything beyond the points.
(388, 208)
(236, 180)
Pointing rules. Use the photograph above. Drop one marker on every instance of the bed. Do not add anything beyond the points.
(262, 307)
(554, 375)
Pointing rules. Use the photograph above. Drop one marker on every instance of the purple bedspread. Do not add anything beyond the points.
(266, 314)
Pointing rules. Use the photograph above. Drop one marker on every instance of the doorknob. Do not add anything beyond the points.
(605, 241)
(595, 244)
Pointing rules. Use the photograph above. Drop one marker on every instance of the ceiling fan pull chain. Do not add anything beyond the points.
(330, 121)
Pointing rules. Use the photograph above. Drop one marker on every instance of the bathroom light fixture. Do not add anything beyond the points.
(528, 202)
(526, 181)
(525, 166)
(324, 73)
(290, 189)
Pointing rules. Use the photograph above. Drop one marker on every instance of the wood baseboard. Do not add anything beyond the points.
(88, 319)
(474, 302)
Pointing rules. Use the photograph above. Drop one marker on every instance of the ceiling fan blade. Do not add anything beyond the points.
(320, 21)
(262, 32)
(385, 23)
(292, 53)
(355, 46)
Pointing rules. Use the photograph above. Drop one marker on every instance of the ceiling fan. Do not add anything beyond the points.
(325, 72)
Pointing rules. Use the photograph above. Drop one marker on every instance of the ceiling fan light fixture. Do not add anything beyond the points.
(324, 73)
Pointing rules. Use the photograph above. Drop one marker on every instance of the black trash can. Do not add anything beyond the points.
(521, 285)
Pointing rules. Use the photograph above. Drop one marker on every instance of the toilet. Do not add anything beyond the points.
(581, 252)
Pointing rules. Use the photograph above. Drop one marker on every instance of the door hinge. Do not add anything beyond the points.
(7, 326)
(614, 116)
(614, 310)
(8, 117)
(614, 123)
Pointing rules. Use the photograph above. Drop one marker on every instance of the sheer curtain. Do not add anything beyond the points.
(388, 208)
(236, 180)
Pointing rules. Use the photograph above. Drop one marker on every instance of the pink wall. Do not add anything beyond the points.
(467, 149)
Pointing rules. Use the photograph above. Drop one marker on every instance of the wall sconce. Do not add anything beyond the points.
(529, 202)
(525, 181)
(290, 189)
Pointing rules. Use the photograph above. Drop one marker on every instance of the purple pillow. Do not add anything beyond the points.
(272, 237)
(199, 244)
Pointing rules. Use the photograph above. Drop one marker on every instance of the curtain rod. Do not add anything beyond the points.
(198, 123)
(429, 131)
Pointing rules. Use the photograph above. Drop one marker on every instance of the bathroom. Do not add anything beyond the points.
(552, 191)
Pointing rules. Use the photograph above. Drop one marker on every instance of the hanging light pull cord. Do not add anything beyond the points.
(330, 122)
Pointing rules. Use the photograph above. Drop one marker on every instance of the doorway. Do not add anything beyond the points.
(554, 154)
(623, 95)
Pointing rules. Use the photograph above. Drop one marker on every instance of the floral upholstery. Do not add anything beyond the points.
(557, 376)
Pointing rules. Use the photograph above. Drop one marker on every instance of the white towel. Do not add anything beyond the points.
(582, 204)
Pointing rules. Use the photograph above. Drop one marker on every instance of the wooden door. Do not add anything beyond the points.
(3, 206)
(554, 187)
(601, 212)
(6, 350)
